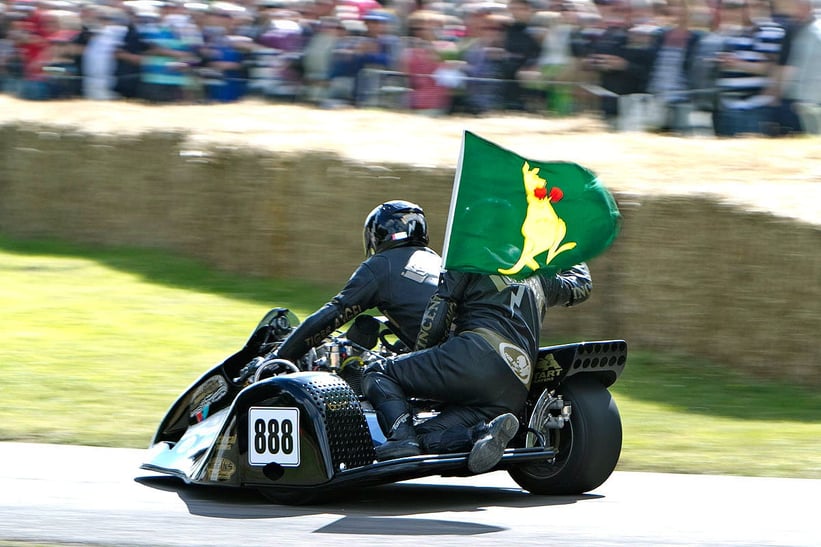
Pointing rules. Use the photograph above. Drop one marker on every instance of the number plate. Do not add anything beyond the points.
(273, 436)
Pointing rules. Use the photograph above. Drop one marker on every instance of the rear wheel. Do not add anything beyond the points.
(587, 447)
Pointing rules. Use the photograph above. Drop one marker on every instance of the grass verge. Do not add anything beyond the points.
(96, 343)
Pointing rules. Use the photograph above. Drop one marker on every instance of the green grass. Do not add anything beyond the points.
(685, 415)
(96, 343)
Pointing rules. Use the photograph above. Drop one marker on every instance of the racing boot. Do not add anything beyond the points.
(402, 442)
(491, 441)
(393, 414)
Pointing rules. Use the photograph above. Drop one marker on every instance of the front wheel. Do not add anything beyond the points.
(587, 447)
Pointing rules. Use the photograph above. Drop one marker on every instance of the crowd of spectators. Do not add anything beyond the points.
(750, 66)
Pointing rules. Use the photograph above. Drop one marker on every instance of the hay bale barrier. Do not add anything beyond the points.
(718, 257)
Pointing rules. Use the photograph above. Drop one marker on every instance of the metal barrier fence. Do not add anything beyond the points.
(270, 74)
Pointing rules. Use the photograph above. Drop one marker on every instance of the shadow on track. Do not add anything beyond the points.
(377, 510)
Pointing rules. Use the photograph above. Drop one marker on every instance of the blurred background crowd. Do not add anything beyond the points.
(742, 66)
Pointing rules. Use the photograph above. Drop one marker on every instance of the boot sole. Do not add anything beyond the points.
(488, 450)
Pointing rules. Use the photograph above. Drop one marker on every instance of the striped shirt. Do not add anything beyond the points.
(741, 90)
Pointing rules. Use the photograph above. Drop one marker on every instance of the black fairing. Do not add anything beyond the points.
(216, 390)
(183, 413)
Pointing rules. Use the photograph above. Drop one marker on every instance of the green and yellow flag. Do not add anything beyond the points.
(511, 215)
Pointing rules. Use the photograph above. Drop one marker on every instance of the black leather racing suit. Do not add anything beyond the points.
(484, 369)
(399, 282)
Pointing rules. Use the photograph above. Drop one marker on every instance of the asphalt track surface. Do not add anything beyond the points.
(54, 494)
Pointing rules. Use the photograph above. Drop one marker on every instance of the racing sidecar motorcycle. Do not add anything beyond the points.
(303, 432)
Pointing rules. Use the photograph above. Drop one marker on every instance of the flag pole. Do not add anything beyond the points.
(455, 192)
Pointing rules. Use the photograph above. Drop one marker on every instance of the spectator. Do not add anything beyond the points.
(745, 63)
(313, 12)
(344, 65)
(585, 32)
(11, 52)
(128, 56)
(377, 54)
(284, 39)
(454, 73)
(60, 63)
(782, 12)
(33, 46)
(183, 21)
(621, 58)
(522, 53)
(99, 55)
(484, 66)
(167, 61)
(556, 62)
(798, 81)
(223, 59)
(8, 70)
(670, 80)
(89, 20)
(317, 59)
(704, 69)
(421, 59)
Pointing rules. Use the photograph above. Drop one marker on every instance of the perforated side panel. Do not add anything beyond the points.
(600, 355)
(348, 433)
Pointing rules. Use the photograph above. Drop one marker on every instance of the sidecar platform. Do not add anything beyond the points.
(402, 469)
(331, 438)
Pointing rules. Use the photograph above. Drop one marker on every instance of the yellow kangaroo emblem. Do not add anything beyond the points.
(542, 228)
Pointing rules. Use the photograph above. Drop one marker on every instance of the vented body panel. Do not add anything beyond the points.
(347, 430)
(606, 359)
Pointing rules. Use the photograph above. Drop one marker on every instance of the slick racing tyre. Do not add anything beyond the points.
(587, 447)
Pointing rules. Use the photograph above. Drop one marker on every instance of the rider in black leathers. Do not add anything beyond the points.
(398, 277)
(481, 372)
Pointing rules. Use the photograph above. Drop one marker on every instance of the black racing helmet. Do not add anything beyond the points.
(394, 224)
